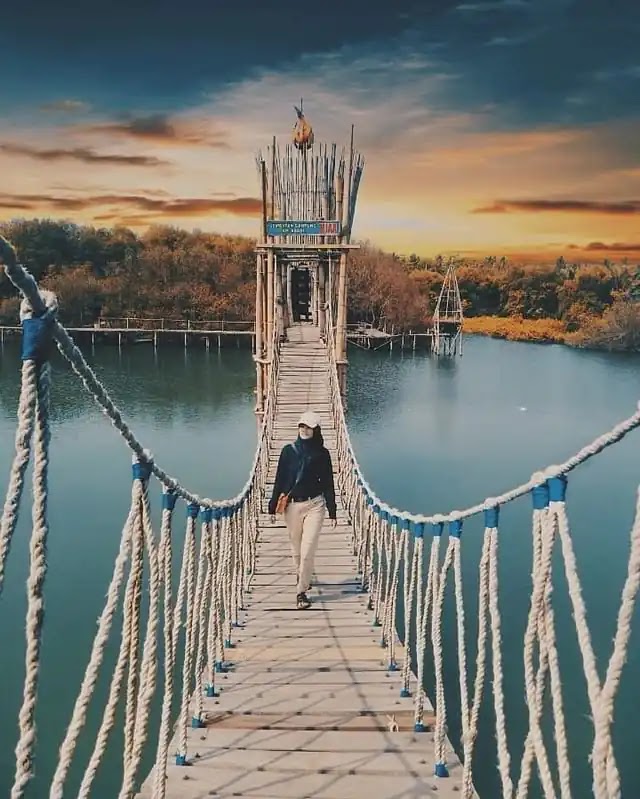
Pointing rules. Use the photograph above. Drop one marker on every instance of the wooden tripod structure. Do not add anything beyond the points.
(448, 316)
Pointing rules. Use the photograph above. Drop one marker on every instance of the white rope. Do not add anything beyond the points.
(117, 679)
(148, 668)
(390, 632)
(226, 579)
(24, 432)
(160, 771)
(557, 705)
(470, 716)
(212, 625)
(436, 637)
(602, 754)
(382, 557)
(411, 568)
(620, 646)
(79, 715)
(137, 564)
(543, 534)
(218, 642)
(427, 603)
(188, 652)
(231, 558)
(204, 605)
(27, 285)
(182, 588)
(35, 583)
(504, 758)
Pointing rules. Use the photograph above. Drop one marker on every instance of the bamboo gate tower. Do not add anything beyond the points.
(309, 195)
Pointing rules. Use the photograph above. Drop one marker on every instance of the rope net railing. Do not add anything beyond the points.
(198, 619)
(389, 542)
(397, 567)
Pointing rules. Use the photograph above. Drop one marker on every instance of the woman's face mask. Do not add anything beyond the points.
(305, 432)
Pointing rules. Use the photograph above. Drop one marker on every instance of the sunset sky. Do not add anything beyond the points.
(488, 127)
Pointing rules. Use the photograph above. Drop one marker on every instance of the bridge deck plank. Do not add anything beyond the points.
(310, 684)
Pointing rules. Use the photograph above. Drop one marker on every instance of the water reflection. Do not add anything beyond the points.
(431, 435)
(166, 385)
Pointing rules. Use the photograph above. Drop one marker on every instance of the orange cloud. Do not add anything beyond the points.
(82, 154)
(599, 246)
(154, 207)
(160, 129)
(623, 208)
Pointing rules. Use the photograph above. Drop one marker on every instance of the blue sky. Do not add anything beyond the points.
(495, 125)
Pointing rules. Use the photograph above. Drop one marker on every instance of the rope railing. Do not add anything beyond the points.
(218, 562)
(219, 554)
(386, 540)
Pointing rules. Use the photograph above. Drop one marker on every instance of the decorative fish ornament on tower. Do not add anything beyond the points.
(302, 130)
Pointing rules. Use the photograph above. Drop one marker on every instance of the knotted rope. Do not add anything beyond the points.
(208, 604)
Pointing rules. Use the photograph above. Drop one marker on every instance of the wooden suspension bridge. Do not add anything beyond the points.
(329, 702)
(309, 707)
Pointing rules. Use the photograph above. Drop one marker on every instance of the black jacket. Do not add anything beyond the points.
(316, 477)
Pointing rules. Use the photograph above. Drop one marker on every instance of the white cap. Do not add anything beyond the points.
(310, 418)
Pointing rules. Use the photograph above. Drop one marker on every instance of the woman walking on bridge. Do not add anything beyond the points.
(304, 492)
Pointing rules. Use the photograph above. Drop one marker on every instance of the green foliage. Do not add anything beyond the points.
(170, 272)
(167, 272)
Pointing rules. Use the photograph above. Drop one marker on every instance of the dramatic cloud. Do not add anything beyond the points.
(448, 116)
(600, 246)
(174, 207)
(66, 106)
(82, 154)
(161, 129)
(624, 208)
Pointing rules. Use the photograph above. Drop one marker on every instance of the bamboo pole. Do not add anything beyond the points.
(259, 336)
(279, 298)
(347, 209)
(270, 280)
(322, 321)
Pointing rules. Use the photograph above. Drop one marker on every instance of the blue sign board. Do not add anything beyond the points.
(291, 227)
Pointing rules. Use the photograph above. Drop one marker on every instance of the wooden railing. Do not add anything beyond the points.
(164, 323)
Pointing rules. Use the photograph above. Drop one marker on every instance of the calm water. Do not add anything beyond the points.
(430, 436)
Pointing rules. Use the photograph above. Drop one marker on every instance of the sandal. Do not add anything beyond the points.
(302, 602)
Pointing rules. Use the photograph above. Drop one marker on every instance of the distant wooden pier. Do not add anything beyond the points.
(221, 333)
(127, 330)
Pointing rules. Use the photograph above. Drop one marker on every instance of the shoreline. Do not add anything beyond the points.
(537, 331)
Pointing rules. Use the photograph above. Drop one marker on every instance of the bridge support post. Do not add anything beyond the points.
(341, 325)
(284, 298)
(322, 319)
(259, 353)
(270, 304)
(278, 299)
(289, 269)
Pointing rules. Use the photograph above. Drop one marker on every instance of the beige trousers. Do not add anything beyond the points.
(304, 523)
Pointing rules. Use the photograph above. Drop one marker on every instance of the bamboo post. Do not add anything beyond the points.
(284, 289)
(289, 296)
(279, 299)
(341, 331)
(259, 337)
(322, 321)
(342, 274)
(342, 210)
(270, 305)
(313, 287)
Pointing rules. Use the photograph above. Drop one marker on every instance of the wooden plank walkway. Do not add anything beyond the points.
(305, 711)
